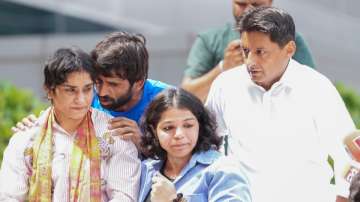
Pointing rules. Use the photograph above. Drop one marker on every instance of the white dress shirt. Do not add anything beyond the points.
(120, 166)
(283, 135)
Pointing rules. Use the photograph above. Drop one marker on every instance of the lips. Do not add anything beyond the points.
(179, 146)
(78, 108)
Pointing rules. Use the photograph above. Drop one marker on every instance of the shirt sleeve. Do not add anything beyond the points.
(215, 104)
(123, 172)
(229, 182)
(14, 173)
(303, 54)
(201, 59)
(334, 124)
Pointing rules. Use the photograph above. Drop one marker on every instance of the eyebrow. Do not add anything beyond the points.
(187, 119)
(70, 86)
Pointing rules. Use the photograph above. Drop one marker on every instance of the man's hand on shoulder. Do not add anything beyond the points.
(24, 124)
(126, 129)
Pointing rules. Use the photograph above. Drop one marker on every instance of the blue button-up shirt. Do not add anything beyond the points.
(208, 176)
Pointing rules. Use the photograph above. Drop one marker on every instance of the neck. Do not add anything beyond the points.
(174, 166)
(69, 125)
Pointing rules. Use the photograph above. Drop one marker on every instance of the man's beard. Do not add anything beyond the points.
(118, 102)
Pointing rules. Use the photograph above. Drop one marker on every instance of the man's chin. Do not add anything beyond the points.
(106, 105)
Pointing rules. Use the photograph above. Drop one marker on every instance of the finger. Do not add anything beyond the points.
(128, 136)
(27, 122)
(32, 118)
(14, 129)
(123, 130)
(235, 44)
(20, 126)
(121, 122)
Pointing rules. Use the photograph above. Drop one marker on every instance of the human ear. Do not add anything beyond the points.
(290, 48)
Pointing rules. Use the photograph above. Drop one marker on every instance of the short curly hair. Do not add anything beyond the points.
(177, 98)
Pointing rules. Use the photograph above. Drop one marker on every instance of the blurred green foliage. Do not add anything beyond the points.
(352, 101)
(15, 104)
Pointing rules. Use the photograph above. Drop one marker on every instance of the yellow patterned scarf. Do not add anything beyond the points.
(85, 149)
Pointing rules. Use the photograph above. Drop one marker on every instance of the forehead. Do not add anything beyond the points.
(174, 114)
(258, 2)
(261, 2)
(112, 78)
(78, 78)
(256, 40)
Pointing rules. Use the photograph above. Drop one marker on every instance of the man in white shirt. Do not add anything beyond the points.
(282, 118)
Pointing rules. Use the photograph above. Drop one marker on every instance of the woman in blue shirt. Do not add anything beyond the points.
(184, 163)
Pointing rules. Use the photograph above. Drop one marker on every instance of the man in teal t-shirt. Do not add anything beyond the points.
(217, 50)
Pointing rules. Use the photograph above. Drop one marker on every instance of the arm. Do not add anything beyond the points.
(228, 182)
(199, 83)
(334, 123)
(123, 173)
(200, 86)
(14, 172)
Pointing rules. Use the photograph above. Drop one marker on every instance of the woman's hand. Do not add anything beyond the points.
(162, 190)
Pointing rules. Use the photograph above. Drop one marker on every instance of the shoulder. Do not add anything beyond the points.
(99, 116)
(22, 139)
(232, 77)
(106, 137)
(309, 77)
(216, 32)
(216, 35)
(154, 87)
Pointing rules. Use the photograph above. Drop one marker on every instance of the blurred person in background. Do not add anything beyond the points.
(184, 164)
(218, 50)
(69, 155)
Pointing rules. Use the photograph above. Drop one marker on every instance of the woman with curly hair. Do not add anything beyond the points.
(184, 163)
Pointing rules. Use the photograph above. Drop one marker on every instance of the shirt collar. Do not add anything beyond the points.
(287, 80)
(289, 77)
(207, 158)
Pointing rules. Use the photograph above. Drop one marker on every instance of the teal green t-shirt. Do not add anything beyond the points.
(208, 50)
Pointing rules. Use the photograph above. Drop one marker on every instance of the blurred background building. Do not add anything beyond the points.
(30, 31)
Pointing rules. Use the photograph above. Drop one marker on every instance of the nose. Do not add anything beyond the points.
(81, 98)
(179, 133)
(101, 89)
(250, 59)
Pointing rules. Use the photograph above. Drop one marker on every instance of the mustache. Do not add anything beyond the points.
(106, 98)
